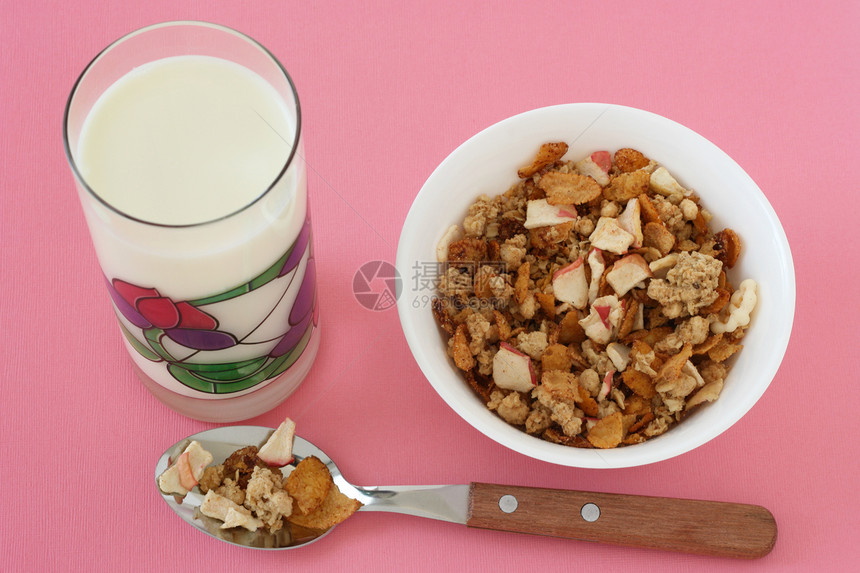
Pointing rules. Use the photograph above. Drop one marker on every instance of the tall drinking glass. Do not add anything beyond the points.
(185, 142)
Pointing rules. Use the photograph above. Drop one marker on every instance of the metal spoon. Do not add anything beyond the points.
(689, 526)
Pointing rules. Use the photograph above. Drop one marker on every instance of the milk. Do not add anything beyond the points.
(185, 140)
(181, 164)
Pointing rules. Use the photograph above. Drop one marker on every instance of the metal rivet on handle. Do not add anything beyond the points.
(508, 503)
(590, 512)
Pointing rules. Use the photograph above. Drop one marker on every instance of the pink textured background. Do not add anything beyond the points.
(388, 90)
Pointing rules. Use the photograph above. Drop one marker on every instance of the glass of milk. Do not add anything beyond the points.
(185, 142)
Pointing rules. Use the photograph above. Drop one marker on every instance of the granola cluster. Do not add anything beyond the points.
(256, 490)
(247, 492)
(589, 304)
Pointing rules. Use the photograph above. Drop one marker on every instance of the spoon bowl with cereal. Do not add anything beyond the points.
(270, 489)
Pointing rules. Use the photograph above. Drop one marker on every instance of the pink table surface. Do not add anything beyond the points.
(388, 90)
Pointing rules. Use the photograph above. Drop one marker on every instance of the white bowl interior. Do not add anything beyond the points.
(487, 164)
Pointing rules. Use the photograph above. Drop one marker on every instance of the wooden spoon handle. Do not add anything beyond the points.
(685, 525)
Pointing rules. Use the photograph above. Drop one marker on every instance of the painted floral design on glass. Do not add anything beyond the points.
(191, 339)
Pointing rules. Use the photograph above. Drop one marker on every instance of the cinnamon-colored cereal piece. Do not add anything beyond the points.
(510, 227)
(556, 357)
(334, 509)
(586, 402)
(576, 355)
(633, 439)
(569, 329)
(671, 369)
(636, 405)
(607, 432)
(547, 303)
(494, 250)
(482, 387)
(481, 283)
(639, 382)
(627, 186)
(722, 350)
(308, 484)
(640, 347)
(521, 286)
(211, 478)
(556, 437)
(627, 160)
(655, 335)
(723, 298)
(700, 224)
(548, 154)
(707, 345)
(503, 325)
(468, 250)
(560, 386)
(569, 188)
(648, 211)
(462, 354)
(728, 247)
(629, 320)
(440, 313)
(543, 238)
(642, 422)
(658, 236)
(241, 463)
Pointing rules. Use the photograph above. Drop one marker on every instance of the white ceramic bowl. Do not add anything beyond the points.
(487, 163)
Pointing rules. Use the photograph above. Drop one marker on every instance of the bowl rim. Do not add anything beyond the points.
(513, 438)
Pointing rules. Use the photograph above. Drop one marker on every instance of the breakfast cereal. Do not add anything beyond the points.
(248, 490)
(589, 304)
